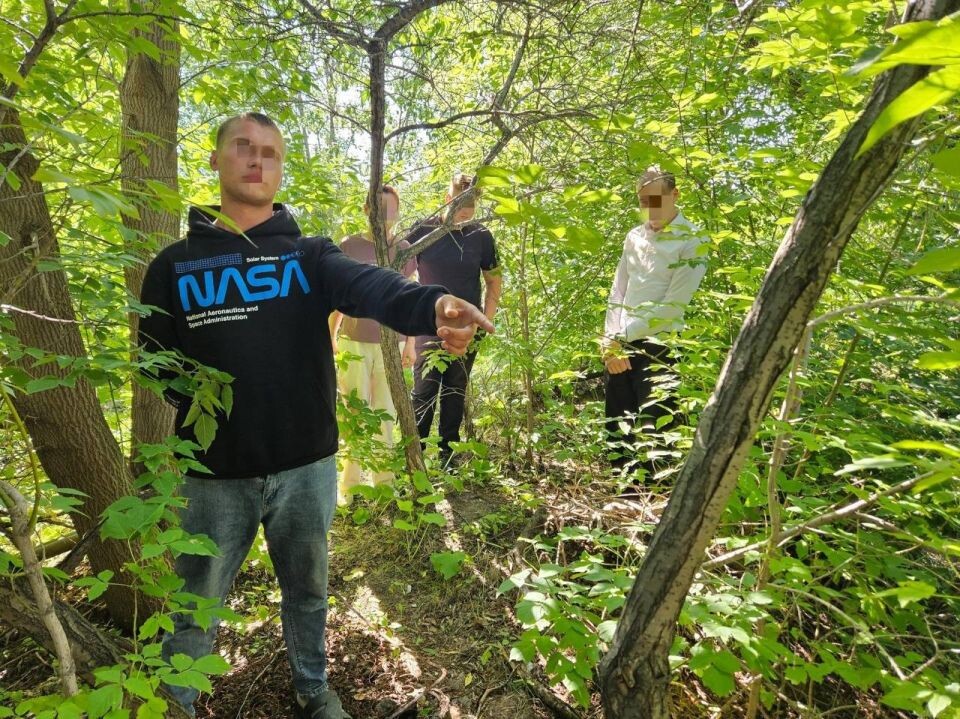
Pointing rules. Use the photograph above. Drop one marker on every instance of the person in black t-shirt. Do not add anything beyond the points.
(459, 259)
(248, 294)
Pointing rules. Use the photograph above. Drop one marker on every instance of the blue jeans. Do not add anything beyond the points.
(296, 508)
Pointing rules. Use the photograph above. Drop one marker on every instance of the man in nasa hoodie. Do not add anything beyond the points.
(248, 294)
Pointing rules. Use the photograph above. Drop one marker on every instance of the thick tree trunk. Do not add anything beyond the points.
(66, 424)
(150, 105)
(635, 673)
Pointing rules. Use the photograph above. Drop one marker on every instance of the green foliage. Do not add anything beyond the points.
(746, 110)
(448, 564)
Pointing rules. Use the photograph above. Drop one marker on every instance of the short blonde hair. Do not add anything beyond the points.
(654, 173)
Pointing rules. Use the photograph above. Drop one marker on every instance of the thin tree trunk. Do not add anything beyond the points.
(66, 424)
(22, 531)
(389, 345)
(635, 672)
(528, 357)
(150, 105)
(90, 646)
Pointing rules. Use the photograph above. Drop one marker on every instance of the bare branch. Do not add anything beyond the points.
(404, 16)
(351, 37)
(438, 124)
(838, 513)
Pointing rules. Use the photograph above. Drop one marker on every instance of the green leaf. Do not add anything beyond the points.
(491, 176)
(360, 516)
(584, 239)
(928, 446)
(139, 687)
(528, 174)
(102, 700)
(937, 703)
(106, 204)
(155, 708)
(720, 683)
(939, 360)
(150, 628)
(928, 42)
(910, 592)
(403, 525)
(948, 161)
(447, 564)
(189, 678)
(205, 430)
(934, 89)
(941, 259)
(212, 664)
(226, 399)
(43, 383)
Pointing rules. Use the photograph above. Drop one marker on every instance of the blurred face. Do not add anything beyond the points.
(389, 210)
(464, 214)
(250, 163)
(659, 203)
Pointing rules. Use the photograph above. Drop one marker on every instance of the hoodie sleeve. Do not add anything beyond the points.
(377, 293)
(158, 330)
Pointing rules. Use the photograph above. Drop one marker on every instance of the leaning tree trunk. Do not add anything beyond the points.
(149, 99)
(635, 672)
(66, 424)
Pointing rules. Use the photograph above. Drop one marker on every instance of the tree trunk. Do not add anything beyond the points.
(635, 672)
(66, 424)
(392, 365)
(149, 98)
(90, 646)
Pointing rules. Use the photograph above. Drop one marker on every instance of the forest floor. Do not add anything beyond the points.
(404, 642)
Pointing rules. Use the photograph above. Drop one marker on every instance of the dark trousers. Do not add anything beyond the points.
(629, 398)
(451, 387)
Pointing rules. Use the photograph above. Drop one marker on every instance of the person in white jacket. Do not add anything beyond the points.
(662, 264)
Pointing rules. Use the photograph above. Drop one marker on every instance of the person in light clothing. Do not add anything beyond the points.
(367, 376)
(662, 264)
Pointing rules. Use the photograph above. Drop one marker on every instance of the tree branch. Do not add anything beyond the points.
(356, 39)
(404, 16)
(834, 515)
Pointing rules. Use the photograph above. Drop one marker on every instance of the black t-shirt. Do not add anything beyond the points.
(457, 259)
(257, 307)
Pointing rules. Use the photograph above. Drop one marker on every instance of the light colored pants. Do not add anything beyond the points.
(368, 377)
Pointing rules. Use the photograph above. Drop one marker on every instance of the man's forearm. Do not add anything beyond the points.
(491, 297)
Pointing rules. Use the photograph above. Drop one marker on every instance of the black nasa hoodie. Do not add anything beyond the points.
(257, 307)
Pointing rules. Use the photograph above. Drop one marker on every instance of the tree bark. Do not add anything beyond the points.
(66, 424)
(635, 673)
(376, 53)
(149, 98)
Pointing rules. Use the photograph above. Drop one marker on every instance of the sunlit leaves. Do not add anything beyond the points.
(919, 43)
(934, 89)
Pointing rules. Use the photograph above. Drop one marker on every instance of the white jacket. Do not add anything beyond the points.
(656, 278)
